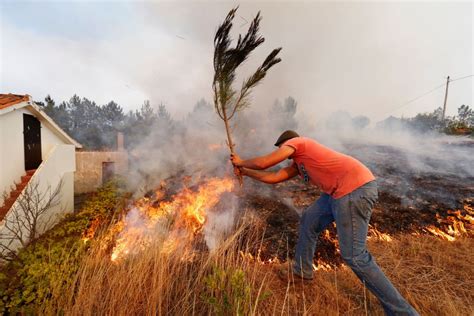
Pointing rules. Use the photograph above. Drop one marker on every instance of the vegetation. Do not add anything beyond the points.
(63, 273)
(227, 59)
(96, 126)
(460, 124)
(27, 218)
(46, 268)
(98, 130)
(463, 123)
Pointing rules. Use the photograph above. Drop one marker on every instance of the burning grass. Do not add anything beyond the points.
(162, 256)
(175, 223)
(238, 276)
(435, 275)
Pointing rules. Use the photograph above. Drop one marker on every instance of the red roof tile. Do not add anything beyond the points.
(7, 100)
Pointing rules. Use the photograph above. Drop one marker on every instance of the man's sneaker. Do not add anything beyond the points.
(286, 273)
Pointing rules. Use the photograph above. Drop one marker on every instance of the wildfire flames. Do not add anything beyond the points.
(174, 222)
(455, 225)
(91, 231)
(375, 233)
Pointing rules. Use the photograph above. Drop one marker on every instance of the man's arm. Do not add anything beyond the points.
(266, 161)
(270, 177)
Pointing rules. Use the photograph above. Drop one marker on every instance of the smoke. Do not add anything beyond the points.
(220, 223)
(362, 57)
(322, 76)
(419, 168)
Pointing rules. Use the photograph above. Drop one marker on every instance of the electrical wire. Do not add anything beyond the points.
(414, 99)
(462, 78)
(426, 93)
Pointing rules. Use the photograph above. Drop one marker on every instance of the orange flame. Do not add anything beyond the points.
(454, 226)
(375, 233)
(322, 266)
(90, 232)
(174, 222)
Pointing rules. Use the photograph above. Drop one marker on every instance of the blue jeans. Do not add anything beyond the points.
(352, 214)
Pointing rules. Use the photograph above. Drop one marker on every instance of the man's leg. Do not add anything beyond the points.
(313, 221)
(352, 214)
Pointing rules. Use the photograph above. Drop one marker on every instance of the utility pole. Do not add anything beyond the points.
(445, 100)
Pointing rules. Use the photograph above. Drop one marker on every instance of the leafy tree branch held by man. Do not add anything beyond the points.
(227, 59)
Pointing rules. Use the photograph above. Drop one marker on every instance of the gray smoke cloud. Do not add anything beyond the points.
(342, 56)
(419, 168)
(364, 57)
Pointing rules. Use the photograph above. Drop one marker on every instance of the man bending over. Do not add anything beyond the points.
(349, 193)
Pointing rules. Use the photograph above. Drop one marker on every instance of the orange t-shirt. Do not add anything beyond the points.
(334, 173)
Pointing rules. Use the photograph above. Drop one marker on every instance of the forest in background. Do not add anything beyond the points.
(95, 126)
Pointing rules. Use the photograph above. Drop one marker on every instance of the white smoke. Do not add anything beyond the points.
(220, 223)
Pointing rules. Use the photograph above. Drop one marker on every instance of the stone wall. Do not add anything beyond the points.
(89, 167)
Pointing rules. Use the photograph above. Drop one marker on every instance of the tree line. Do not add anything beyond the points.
(460, 124)
(95, 126)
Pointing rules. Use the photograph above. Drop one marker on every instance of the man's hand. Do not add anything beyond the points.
(238, 171)
(236, 160)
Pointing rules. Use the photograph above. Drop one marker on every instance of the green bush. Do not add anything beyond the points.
(228, 292)
(38, 277)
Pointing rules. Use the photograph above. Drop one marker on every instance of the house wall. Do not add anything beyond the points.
(57, 170)
(11, 150)
(12, 159)
(88, 175)
(48, 140)
(58, 167)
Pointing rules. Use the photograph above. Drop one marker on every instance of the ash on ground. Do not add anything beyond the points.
(410, 200)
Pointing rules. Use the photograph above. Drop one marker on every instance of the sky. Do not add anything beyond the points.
(367, 58)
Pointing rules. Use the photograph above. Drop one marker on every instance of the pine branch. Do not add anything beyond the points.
(226, 61)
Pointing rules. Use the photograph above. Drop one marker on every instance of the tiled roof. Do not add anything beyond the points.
(7, 100)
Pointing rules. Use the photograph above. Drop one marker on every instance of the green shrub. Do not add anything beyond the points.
(228, 292)
(38, 277)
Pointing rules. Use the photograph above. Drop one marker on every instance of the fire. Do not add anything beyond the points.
(321, 265)
(90, 232)
(439, 233)
(455, 225)
(375, 233)
(174, 222)
(249, 257)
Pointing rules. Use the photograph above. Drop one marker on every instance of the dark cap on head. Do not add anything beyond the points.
(285, 136)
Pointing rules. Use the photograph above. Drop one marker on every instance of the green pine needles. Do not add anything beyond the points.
(228, 101)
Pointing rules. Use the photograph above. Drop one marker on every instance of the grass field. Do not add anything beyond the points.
(435, 275)
(70, 271)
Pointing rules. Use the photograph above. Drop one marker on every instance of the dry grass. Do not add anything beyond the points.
(436, 276)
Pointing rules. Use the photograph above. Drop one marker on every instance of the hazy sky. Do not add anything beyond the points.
(364, 57)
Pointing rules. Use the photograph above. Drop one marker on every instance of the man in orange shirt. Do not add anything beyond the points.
(349, 193)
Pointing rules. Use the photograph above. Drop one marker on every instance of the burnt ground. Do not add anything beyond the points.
(280, 212)
(410, 200)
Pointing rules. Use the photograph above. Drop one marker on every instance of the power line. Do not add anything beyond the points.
(462, 78)
(414, 99)
(426, 93)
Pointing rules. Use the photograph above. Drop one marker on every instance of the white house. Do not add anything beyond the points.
(34, 151)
